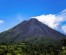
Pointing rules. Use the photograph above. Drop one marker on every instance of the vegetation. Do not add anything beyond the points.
(31, 49)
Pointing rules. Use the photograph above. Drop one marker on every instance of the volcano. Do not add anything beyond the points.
(31, 31)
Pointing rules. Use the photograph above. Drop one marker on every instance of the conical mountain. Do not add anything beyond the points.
(31, 31)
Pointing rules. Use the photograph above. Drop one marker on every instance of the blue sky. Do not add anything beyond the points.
(13, 12)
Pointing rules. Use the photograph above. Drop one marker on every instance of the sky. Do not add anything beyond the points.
(49, 12)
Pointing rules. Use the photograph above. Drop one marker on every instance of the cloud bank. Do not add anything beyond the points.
(55, 21)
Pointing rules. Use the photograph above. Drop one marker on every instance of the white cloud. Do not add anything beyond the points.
(53, 20)
(1, 21)
(48, 20)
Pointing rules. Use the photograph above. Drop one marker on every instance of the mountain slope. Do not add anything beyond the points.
(31, 31)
